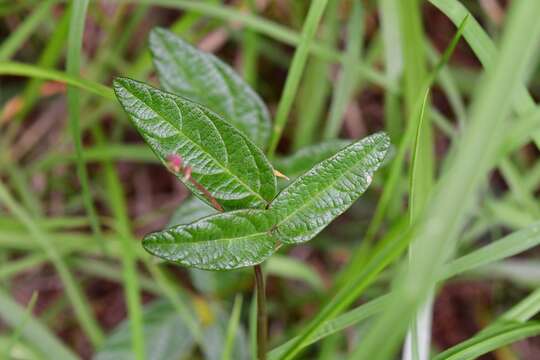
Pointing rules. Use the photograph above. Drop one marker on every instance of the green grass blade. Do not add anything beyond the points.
(316, 86)
(392, 182)
(129, 265)
(20, 69)
(15, 336)
(482, 46)
(82, 308)
(393, 64)
(525, 309)
(488, 341)
(73, 63)
(18, 37)
(295, 72)
(334, 326)
(232, 328)
(459, 185)
(388, 251)
(510, 245)
(48, 59)
(34, 331)
(348, 78)
(419, 336)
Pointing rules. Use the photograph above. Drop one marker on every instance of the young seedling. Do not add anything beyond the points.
(209, 129)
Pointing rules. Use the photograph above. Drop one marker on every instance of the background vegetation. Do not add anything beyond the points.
(438, 255)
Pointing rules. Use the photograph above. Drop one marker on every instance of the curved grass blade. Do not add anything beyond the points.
(38, 72)
(490, 340)
(227, 164)
(313, 200)
(34, 332)
(508, 246)
(203, 78)
(220, 242)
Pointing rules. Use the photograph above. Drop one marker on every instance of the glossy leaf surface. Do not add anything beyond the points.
(223, 161)
(316, 198)
(224, 241)
(202, 77)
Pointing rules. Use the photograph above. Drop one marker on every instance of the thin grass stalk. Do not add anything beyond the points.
(293, 77)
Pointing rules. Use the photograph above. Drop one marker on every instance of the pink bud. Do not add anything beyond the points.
(174, 162)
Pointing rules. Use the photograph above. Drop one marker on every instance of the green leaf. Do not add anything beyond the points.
(221, 242)
(313, 200)
(304, 159)
(223, 161)
(212, 283)
(166, 334)
(202, 77)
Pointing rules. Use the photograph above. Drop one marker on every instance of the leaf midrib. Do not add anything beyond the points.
(198, 146)
(238, 238)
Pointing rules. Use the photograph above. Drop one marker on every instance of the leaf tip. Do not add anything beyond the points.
(156, 33)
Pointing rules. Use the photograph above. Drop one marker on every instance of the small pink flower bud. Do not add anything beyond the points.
(174, 162)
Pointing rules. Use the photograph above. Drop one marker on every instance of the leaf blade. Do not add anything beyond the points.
(312, 201)
(223, 161)
(220, 242)
(203, 78)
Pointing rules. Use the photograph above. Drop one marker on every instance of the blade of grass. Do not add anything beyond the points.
(414, 76)
(387, 252)
(73, 63)
(34, 331)
(417, 343)
(316, 85)
(232, 328)
(20, 69)
(393, 64)
(482, 46)
(80, 305)
(295, 72)
(250, 51)
(394, 175)
(508, 246)
(488, 341)
(47, 59)
(132, 292)
(17, 38)
(525, 309)
(348, 77)
(15, 336)
(457, 188)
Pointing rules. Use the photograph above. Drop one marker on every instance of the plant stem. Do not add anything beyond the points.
(262, 320)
